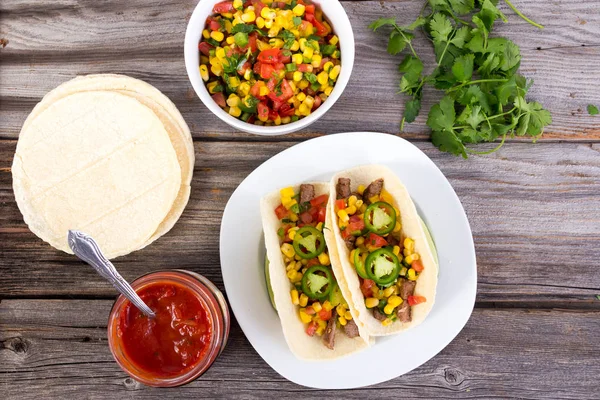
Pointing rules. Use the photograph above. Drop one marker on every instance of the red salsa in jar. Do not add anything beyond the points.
(189, 331)
(172, 342)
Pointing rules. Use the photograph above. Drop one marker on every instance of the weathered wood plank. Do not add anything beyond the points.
(144, 39)
(51, 349)
(531, 209)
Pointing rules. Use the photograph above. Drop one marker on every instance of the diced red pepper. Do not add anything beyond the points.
(266, 70)
(340, 204)
(325, 315)
(414, 300)
(305, 68)
(311, 328)
(417, 265)
(356, 224)
(319, 200)
(376, 240)
(263, 111)
(305, 217)
(219, 98)
(309, 9)
(346, 233)
(281, 211)
(270, 56)
(273, 115)
(286, 110)
(367, 287)
(224, 7)
(321, 214)
(205, 47)
(213, 24)
(285, 88)
(321, 29)
(252, 40)
(258, 5)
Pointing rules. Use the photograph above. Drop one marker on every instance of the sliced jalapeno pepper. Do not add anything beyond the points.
(359, 263)
(308, 242)
(380, 218)
(382, 266)
(317, 282)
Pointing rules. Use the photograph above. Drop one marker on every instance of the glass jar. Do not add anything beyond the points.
(213, 302)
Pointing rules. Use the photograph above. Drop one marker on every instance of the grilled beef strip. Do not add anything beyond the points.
(378, 314)
(350, 242)
(351, 329)
(407, 288)
(403, 313)
(329, 335)
(374, 189)
(307, 193)
(343, 188)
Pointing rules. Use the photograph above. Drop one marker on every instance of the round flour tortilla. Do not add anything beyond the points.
(411, 227)
(161, 105)
(302, 346)
(100, 162)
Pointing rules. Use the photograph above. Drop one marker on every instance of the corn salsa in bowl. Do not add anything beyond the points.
(269, 62)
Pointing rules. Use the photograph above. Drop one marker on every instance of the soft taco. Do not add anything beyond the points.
(386, 258)
(317, 320)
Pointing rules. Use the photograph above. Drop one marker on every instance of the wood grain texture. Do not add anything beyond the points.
(530, 209)
(54, 349)
(51, 44)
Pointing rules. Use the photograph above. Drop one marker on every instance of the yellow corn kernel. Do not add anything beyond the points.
(327, 66)
(396, 250)
(276, 43)
(290, 267)
(299, 10)
(297, 58)
(316, 60)
(293, 217)
(260, 22)
(211, 87)
(334, 40)
(409, 259)
(295, 300)
(412, 275)
(301, 96)
(292, 86)
(291, 274)
(324, 259)
(204, 72)
(322, 324)
(277, 120)
(341, 309)
(233, 100)
(220, 53)
(351, 210)
(227, 15)
(216, 69)
(218, 36)
(303, 301)
(230, 40)
(343, 215)
(361, 189)
(377, 293)
(206, 34)
(234, 81)
(238, 4)
(274, 31)
(264, 90)
(303, 84)
(395, 301)
(268, 23)
(342, 321)
(304, 262)
(304, 317)
(248, 16)
(347, 315)
(290, 204)
(374, 199)
(403, 272)
(335, 72)
(386, 322)
(309, 102)
(323, 78)
(387, 292)
(388, 309)
(262, 45)
(298, 265)
(244, 89)
(327, 306)
(235, 111)
(267, 13)
(288, 250)
(292, 234)
(397, 227)
(317, 306)
(308, 52)
(228, 26)
(302, 43)
(406, 252)
(303, 109)
(409, 244)
(287, 192)
(295, 46)
(320, 331)
(360, 241)
(297, 76)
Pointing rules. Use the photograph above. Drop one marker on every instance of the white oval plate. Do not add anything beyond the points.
(242, 257)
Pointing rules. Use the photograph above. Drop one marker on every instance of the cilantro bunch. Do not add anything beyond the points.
(484, 95)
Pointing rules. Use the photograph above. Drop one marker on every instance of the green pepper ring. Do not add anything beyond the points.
(369, 267)
(360, 265)
(312, 231)
(312, 271)
(391, 212)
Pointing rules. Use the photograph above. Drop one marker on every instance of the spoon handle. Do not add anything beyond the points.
(87, 249)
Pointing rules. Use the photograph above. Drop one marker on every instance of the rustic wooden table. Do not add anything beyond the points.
(534, 209)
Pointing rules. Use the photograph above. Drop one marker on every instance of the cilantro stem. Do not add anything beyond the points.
(482, 153)
(503, 114)
(406, 40)
(445, 48)
(475, 83)
(520, 14)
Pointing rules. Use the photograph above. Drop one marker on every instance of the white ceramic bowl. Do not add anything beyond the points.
(335, 14)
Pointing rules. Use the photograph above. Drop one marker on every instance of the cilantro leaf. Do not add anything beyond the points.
(447, 141)
(441, 28)
(475, 96)
(442, 115)
(461, 36)
(382, 22)
(463, 67)
(411, 110)
(533, 117)
(396, 43)
(592, 110)
(598, 296)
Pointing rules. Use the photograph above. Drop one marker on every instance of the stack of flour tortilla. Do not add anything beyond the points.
(108, 155)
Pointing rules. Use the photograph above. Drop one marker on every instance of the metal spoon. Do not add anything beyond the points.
(88, 250)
